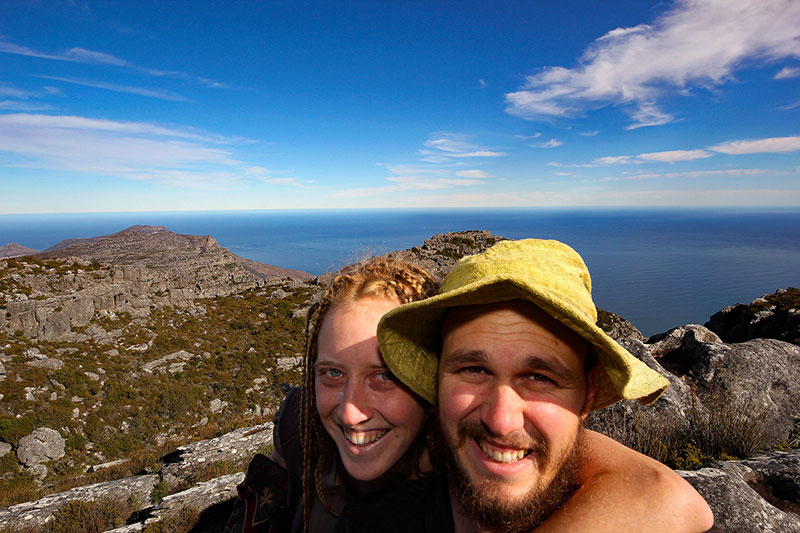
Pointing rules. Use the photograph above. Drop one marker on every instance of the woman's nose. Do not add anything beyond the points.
(354, 406)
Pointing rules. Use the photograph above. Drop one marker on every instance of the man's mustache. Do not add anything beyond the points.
(518, 440)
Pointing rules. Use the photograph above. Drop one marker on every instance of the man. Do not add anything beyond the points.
(512, 346)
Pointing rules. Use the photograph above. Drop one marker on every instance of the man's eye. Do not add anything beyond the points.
(541, 378)
(473, 370)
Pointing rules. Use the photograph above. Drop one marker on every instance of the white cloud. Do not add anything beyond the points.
(788, 72)
(445, 145)
(791, 106)
(161, 94)
(759, 146)
(406, 183)
(16, 105)
(672, 156)
(480, 174)
(692, 174)
(414, 177)
(699, 43)
(93, 57)
(482, 84)
(106, 148)
(588, 133)
(613, 160)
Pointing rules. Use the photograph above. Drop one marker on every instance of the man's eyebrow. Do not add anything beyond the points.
(464, 357)
(555, 367)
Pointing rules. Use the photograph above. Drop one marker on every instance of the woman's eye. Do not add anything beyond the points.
(332, 373)
(385, 376)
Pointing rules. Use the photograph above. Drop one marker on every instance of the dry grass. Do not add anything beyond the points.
(723, 429)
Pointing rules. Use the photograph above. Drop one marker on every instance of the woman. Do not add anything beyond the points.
(358, 454)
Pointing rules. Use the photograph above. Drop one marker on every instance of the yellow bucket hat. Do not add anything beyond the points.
(547, 273)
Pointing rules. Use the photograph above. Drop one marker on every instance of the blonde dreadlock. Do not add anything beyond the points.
(380, 277)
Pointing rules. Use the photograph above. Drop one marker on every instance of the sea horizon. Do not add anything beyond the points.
(657, 267)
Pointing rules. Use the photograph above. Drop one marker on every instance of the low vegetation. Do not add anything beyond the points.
(723, 430)
(108, 407)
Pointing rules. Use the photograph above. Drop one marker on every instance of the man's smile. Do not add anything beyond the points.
(502, 454)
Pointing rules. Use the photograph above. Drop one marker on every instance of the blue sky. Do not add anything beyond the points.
(146, 106)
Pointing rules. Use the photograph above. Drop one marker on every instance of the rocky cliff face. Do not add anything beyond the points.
(772, 316)
(50, 295)
(13, 249)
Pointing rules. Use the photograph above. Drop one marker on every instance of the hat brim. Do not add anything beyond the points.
(410, 340)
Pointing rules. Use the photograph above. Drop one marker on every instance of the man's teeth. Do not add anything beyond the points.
(507, 456)
(360, 438)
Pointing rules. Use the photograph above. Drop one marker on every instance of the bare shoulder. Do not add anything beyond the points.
(624, 490)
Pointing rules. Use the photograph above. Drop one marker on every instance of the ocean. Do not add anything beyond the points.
(657, 268)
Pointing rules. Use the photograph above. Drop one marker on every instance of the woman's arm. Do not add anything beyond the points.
(623, 490)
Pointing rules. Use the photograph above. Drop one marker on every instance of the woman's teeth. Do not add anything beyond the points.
(361, 438)
(507, 456)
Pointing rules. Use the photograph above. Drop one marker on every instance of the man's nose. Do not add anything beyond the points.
(503, 411)
(354, 405)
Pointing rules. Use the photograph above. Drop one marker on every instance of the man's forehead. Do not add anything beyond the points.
(517, 311)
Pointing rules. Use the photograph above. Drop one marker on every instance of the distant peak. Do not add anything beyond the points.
(145, 229)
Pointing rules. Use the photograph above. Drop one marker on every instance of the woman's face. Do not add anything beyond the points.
(372, 417)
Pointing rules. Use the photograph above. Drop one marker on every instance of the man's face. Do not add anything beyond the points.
(512, 394)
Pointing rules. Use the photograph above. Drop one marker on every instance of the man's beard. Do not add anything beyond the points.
(486, 505)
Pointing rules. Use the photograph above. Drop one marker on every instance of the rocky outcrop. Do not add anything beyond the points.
(760, 494)
(439, 253)
(157, 248)
(773, 316)
(36, 514)
(41, 446)
(238, 446)
(128, 272)
(617, 327)
(13, 249)
(181, 468)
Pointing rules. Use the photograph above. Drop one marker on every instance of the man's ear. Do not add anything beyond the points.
(591, 390)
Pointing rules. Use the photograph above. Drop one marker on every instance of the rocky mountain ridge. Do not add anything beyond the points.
(13, 249)
(51, 294)
(727, 399)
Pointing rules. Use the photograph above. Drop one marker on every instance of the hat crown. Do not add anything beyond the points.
(549, 265)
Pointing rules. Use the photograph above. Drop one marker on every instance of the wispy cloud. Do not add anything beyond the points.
(699, 43)
(417, 178)
(130, 150)
(479, 174)
(692, 174)
(444, 146)
(93, 57)
(552, 143)
(774, 145)
(671, 156)
(16, 105)
(160, 94)
(588, 133)
(482, 84)
(788, 72)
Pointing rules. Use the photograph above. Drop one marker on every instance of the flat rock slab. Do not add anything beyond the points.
(37, 513)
